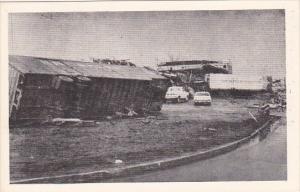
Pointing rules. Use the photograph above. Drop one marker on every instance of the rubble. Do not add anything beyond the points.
(131, 112)
(252, 116)
(118, 161)
(65, 120)
(149, 119)
(69, 121)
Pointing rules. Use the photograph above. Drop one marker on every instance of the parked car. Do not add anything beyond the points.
(177, 93)
(202, 97)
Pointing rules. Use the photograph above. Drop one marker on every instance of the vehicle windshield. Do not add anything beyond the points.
(202, 94)
(173, 89)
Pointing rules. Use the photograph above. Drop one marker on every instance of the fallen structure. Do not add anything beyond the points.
(42, 88)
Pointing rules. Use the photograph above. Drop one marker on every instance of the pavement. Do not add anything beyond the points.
(259, 160)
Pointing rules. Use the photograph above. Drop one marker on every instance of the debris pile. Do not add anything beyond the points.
(114, 62)
(192, 73)
(278, 96)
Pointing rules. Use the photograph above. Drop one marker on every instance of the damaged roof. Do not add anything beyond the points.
(37, 65)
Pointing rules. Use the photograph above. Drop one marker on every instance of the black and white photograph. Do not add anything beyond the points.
(147, 96)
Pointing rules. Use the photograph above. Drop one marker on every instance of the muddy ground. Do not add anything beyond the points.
(37, 151)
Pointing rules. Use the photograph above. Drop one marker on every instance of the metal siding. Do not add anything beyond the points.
(115, 89)
(140, 95)
(147, 98)
(134, 95)
(116, 96)
(124, 90)
(108, 96)
(120, 90)
(127, 92)
(93, 96)
(135, 87)
(102, 93)
(39, 100)
(118, 93)
(227, 82)
(121, 95)
(107, 107)
(131, 91)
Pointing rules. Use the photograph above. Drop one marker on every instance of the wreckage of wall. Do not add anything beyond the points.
(41, 96)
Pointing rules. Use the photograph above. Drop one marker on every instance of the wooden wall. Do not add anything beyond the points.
(107, 96)
(40, 98)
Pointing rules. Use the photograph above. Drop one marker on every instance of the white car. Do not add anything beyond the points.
(177, 93)
(202, 97)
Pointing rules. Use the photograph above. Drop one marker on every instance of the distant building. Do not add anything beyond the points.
(220, 66)
(192, 73)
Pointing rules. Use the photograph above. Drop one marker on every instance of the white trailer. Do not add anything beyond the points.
(237, 82)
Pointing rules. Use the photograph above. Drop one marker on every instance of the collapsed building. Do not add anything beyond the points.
(40, 88)
(192, 73)
(213, 76)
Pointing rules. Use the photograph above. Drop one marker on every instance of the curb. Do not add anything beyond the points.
(101, 175)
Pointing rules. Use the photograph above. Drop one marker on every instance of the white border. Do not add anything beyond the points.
(292, 60)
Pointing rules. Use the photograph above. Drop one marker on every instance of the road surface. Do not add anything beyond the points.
(256, 161)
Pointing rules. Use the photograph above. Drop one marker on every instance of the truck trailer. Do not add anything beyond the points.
(240, 83)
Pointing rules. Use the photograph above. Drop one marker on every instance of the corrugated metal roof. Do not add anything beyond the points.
(109, 71)
(154, 74)
(26, 64)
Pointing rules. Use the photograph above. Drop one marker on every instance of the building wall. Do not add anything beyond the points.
(45, 96)
(41, 98)
(107, 96)
(226, 66)
(73, 89)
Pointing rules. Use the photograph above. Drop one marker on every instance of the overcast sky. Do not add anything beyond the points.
(254, 41)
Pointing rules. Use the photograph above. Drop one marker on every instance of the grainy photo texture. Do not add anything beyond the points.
(148, 96)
